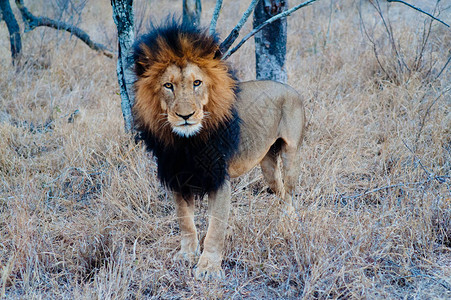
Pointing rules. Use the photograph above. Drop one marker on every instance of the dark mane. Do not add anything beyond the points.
(169, 33)
(198, 164)
(193, 166)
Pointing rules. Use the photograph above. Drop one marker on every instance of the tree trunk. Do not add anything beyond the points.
(191, 11)
(124, 19)
(13, 29)
(271, 41)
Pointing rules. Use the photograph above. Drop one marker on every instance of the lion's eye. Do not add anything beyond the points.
(197, 82)
(168, 85)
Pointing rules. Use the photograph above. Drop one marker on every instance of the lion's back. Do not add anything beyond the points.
(268, 110)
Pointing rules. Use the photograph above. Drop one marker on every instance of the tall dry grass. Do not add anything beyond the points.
(83, 216)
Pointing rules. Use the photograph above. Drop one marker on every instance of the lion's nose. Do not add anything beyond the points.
(185, 117)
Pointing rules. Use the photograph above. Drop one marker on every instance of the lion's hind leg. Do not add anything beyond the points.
(271, 169)
(282, 178)
(290, 154)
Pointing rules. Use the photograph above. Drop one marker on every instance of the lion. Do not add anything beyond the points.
(204, 128)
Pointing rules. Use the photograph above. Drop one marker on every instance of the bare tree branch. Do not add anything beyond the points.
(267, 22)
(444, 67)
(215, 17)
(420, 10)
(230, 39)
(31, 22)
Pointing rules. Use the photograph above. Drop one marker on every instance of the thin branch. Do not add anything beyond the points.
(424, 41)
(389, 30)
(267, 22)
(31, 22)
(444, 67)
(418, 160)
(215, 17)
(420, 10)
(225, 45)
(371, 41)
(423, 121)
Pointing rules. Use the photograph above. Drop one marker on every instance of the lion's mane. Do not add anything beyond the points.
(189, 165)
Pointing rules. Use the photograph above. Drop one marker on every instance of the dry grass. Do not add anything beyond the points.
(82, 215)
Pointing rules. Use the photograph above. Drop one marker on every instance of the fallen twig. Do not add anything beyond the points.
(440, 179)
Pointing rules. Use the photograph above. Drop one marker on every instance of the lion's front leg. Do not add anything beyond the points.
(189, 242)
(209, 265)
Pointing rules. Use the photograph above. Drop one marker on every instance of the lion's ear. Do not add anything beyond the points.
(140, 67)
(141, 62)
(218, 54)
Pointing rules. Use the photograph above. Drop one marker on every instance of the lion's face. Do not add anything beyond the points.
(183, 95)
(183, 88)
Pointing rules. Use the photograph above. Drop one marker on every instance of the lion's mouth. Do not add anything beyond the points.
(187, 128)
(186, 123)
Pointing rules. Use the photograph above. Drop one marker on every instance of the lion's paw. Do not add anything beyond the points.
(208, 274)
(186, 257)
(208, 270)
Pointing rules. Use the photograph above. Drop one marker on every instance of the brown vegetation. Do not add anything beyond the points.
(82, 214)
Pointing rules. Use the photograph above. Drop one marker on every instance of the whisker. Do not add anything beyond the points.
(164, 124)
(207, 115)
